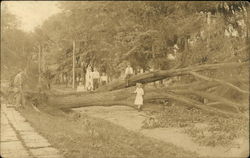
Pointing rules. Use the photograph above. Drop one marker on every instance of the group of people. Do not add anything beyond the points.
(93, 79)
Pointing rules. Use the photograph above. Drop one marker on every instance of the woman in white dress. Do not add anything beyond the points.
(139, 96)
(89, 79)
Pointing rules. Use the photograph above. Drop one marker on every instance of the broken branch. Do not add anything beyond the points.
(219, 81)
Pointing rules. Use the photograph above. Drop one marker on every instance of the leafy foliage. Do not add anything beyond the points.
(142, 33)
(205, 129)
(16, 45)
(109, 34)
(219, 132)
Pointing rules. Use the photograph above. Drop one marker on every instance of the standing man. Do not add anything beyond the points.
(18, 84)
(89, 78)
(128, 73)
(104, 79)
(96, 78)
(47, 78)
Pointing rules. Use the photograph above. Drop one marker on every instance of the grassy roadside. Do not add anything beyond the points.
(205, 129)
(78, 136)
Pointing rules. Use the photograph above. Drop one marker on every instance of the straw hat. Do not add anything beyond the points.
(138, 84)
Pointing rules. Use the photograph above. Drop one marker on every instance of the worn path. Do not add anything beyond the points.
(20, 140)
(132, 120)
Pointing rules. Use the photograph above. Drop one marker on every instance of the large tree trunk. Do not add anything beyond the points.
(116, 94)
(125, 97)
(162, 74)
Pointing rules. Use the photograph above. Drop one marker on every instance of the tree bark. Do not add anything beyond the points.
(125, 97)
(116, 94)
(162, 74)
(219, 81)
(212, 97)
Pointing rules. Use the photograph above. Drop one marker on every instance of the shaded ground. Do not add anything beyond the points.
(132, 120)
(82, 136)
(117, 132)
(20, 140)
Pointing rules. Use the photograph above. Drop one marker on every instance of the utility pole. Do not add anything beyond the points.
(208, 30)
(39, 62)
(73, 71)
(43, 59)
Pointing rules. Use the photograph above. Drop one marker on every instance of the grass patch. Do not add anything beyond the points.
(212, 130)
(220, 131)
(78, 136)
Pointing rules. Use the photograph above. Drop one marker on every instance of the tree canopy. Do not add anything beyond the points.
(144, 33)
(110, 34)
(16, 45)
(204, 44)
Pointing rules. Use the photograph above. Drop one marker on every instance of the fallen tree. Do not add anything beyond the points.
(162, 74)
(212, 97)
(116, 94)
(219, 81)
(125, 97)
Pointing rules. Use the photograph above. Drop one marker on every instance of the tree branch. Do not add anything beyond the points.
(194, 103)
(209, 96)
(219, 81)
(162, 74)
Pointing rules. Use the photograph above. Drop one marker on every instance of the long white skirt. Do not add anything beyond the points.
(88, 82)
(138, 100)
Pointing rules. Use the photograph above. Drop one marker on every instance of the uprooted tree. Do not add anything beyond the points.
(117, 94)
(217, 81)
(210, 60)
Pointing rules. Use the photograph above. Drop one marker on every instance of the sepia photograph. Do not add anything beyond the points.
(124, 79)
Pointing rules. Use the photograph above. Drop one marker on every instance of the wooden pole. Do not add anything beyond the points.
(43, 59)
(73, 71)
(39, 63)
(209, 20)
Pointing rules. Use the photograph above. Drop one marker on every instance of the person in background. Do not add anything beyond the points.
(47, 78)
(128, 73)
(104, 79)
(66, 80)
(141, 71)
(80, 87)
(69, 80)
(89, 79)
(61, 78)
(96, 78)
(77, 79)
(139, 96)
(18, 84)
(10, 91)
